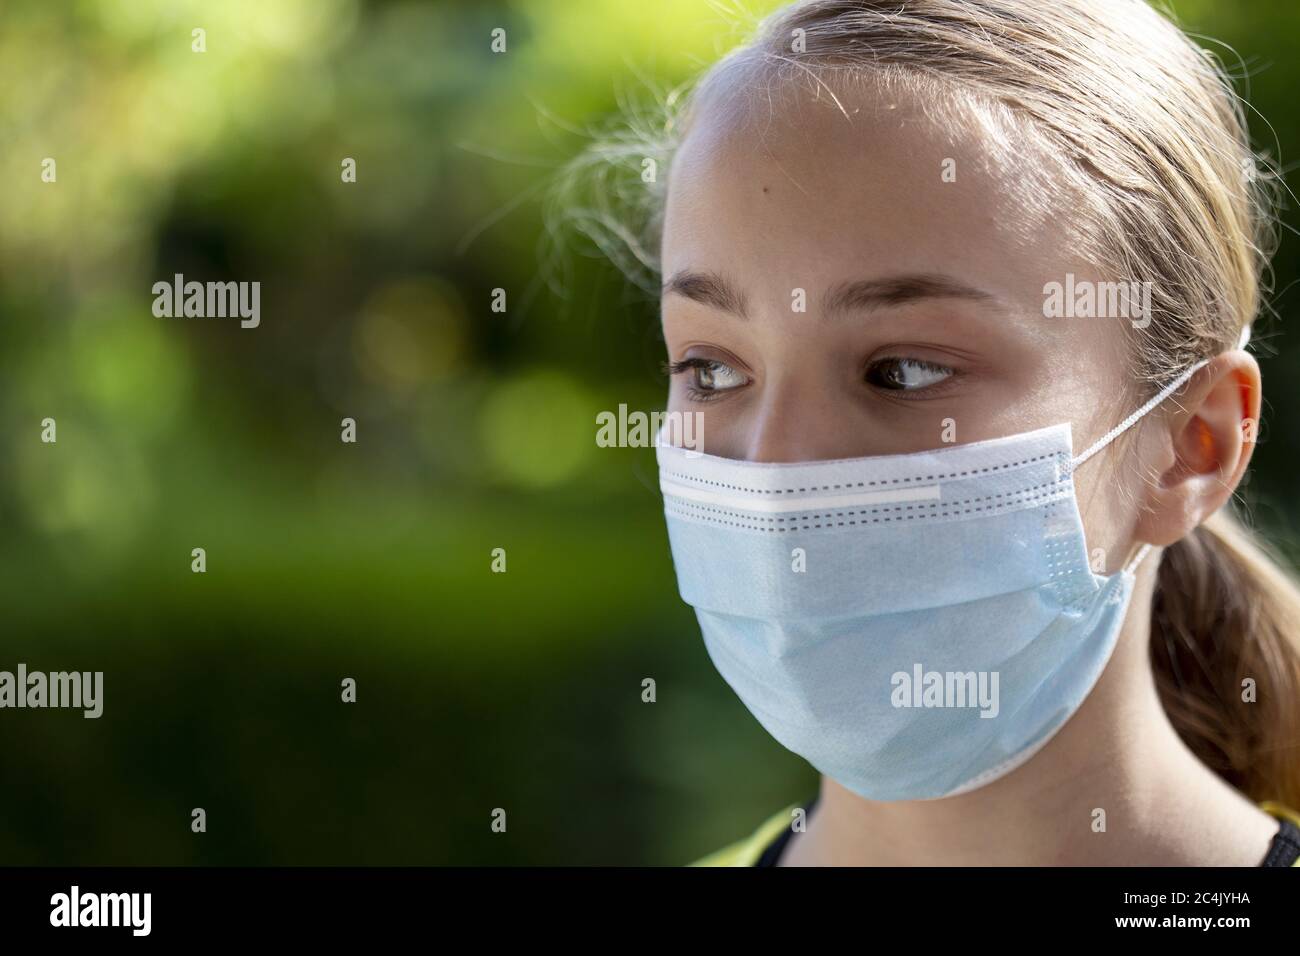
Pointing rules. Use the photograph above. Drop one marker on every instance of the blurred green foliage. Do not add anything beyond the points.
(476, 690)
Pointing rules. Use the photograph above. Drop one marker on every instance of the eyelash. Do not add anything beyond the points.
(686, 365)
(922, 364)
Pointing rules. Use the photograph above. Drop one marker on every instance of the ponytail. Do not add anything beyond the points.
(1226, 659)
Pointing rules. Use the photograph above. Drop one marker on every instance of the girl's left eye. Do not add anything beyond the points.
(905, 374)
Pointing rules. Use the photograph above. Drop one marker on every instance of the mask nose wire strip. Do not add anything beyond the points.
(1128, 423)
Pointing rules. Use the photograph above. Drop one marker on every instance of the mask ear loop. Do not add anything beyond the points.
(1156, 399)
(1129, 422)
(1132, 566)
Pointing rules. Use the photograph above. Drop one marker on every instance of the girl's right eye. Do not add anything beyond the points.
(707, 377)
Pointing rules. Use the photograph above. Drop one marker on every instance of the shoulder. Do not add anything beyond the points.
(1280, 810)
(746, 851)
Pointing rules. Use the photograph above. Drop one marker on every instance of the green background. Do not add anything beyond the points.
(372, 561)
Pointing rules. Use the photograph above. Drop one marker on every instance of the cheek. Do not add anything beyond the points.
(1108, 503)
(678, 400)
(721, 427)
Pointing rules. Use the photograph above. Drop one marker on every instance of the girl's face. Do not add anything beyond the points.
(922, 293)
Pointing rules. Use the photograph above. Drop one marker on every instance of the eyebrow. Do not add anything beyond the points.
(898, 290)
(710, 288)
(707, 288)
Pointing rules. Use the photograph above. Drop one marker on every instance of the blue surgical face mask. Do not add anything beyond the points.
(914, 626)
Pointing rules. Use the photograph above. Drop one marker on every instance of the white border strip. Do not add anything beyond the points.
(777, 503)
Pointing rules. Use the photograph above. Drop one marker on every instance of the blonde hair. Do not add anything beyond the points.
(1148, 129)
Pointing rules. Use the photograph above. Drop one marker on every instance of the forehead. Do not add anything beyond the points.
(808, 180)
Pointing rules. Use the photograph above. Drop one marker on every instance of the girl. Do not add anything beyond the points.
(960, 290)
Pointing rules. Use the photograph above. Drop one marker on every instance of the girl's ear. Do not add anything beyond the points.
(1210, 436)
